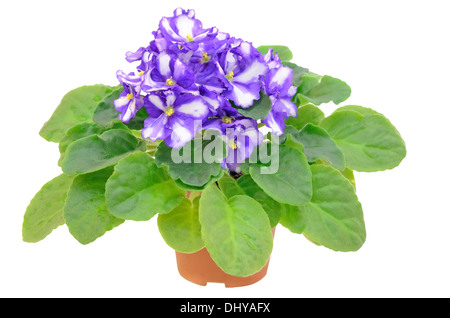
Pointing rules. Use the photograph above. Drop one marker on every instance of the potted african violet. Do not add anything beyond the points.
(222, 141)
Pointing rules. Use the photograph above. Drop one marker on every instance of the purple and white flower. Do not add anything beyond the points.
(241, 68)
(185, 29)
(128, 103)
(174, 117)
(190, 78)
(168, 73)
(272, 60)
(225, 117)
(278, 86)
(209, 77)
(241, 140)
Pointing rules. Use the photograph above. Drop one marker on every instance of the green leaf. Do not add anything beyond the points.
(85, 212)
(236, 232)
(78, 132)
(137, 122)
(272, 207)
(76, 107)
(75, 133)
(246, 186)
(284, 53)
(229, 186)
(187, 187)
(369, 142)
(323, 90)
(181, 228)
(259, 110)
(105, 112)
(306, 114)
(309, 81)
(138, 189)
(317, 144)
(84, 130)
(291, 184)
(293, 218)
(298, 72)
(350, 176)
(334, 217)
(45, 211)
(96, 152)
(190, 165)
(364, 111)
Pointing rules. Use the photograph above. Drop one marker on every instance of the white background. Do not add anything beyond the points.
(394, 55)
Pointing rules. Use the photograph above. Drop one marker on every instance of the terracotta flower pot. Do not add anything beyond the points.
(200, 269)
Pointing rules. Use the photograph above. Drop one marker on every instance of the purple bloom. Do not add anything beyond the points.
(168, 73)
(128, 103)
(240, 139)
(278, 85)
(213, 99)
(225, 117)
(144, 55)
(135, 56)
(241, 68)
(240, 134)
(174, 117)
(210, 48)
(131, 79)
(210, 78)
(183, 28)
(190, 76)
(272, 60)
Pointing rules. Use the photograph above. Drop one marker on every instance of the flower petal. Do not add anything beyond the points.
(128, 103)
(244, 95)
(202, 34)
(154, 128)
(183, 131)
(286, 106)
(185, 26)
(135, 56)
(191, 106)
(251, 73)
(163, 62)
(129, 79)
(281, 76)
(122, 102)
(254, 135)
(157, 101)
(276, 122)
(182, 75)
(130, 111)
(233, 160)
(213, 99)
(279, 82)
(213, 123)
(167, 29)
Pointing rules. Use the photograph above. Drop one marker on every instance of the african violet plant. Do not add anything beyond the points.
(222, 140)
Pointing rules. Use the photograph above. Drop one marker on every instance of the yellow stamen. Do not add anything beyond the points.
(141, 73)
(205, 57)
(230, 75)
(227, 120)
(169, 111)
(170, 82)
(233, 145)
(189, 38)
(130, 96)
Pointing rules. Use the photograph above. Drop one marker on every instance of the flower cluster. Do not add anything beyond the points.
(190, 78)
